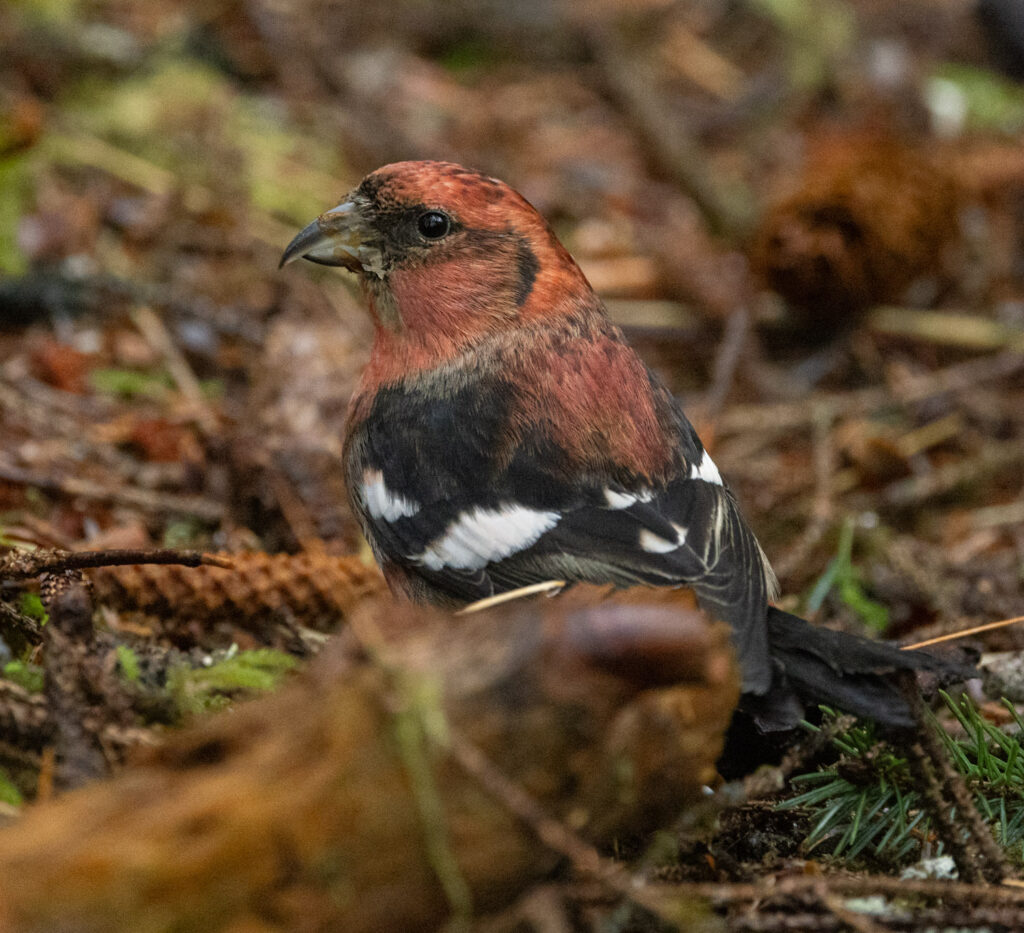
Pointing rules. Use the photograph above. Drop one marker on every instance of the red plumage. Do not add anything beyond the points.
(504, 433)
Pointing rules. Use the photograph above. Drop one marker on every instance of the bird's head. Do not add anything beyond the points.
(445, 254)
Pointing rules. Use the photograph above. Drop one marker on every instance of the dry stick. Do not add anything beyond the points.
(22, 564)
(766, 781)
(25, 406)
(785, 416)
(42, 409)
(158, 337)
(145, 499)
(553, 833)
(546, 587)
(978, 857)
(821, 506)
(789, 922)
(695, 59)
(584, 858)
(542, 909)
(787, 919)
(856, 886)
(859, 923)
(25, 625)
(730, 351)
(69, 647)
(34, 394)
(995, 516)
(296, 513)
(990, 459)
(953, 636)
(780, 916)
(30, 530)
(1001, 904)
(930, 786)
(558, 837)
(85, 149)
(631, 81)
(46, 414)
(945, 328)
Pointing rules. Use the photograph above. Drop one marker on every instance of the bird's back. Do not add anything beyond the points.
(565, 460)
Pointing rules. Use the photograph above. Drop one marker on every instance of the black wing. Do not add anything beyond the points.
(437, 502)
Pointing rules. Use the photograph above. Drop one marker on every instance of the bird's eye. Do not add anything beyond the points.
(433, 224)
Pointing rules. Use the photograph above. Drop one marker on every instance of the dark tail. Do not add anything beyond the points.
(852, 674)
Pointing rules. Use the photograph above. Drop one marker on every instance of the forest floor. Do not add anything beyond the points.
(809, 219)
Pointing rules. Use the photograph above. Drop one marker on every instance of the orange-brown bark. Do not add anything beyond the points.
(305, 811)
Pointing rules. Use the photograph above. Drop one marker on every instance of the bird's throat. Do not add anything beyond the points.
(382, 303)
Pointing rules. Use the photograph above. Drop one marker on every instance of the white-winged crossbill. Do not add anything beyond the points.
(504, 433)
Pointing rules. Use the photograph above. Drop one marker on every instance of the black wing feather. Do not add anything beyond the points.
(439, 452)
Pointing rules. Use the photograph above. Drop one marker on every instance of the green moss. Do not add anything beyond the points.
(420, 728)
(9, 793)
(16, 185)
(152, 114)
(185, 533)
(289, 174)
(128, 661)
(212, 389)
(817, 36)
(49, 12)
(185, 123)
(469, 55)
(131, 383)
(31, 605)
(25, 675)
(203, 689)
(993, 102)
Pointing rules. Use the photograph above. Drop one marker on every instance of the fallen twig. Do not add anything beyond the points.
(145, 499)
(978, 858)
(822, 508)
(785, 416)
(73, 681)
(152, 328)
(730, 352)
(968, 331)
(993, 457)
(965, 633)
(22, 564)
(24, 625)
(631, 81)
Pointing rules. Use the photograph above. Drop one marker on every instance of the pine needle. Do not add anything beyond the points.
(953, 636)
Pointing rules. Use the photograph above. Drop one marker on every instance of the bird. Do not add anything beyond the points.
(504, 433)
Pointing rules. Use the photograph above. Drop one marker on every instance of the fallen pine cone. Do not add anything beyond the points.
(311, 589)
(869, 216)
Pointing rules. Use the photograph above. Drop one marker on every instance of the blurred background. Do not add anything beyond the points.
(807, 215)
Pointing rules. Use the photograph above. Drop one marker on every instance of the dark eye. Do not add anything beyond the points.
(433, 224)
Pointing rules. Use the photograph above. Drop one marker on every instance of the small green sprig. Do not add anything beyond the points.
(866, 805)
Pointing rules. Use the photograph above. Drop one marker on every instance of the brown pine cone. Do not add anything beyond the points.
(869, 216)
(260, 591)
